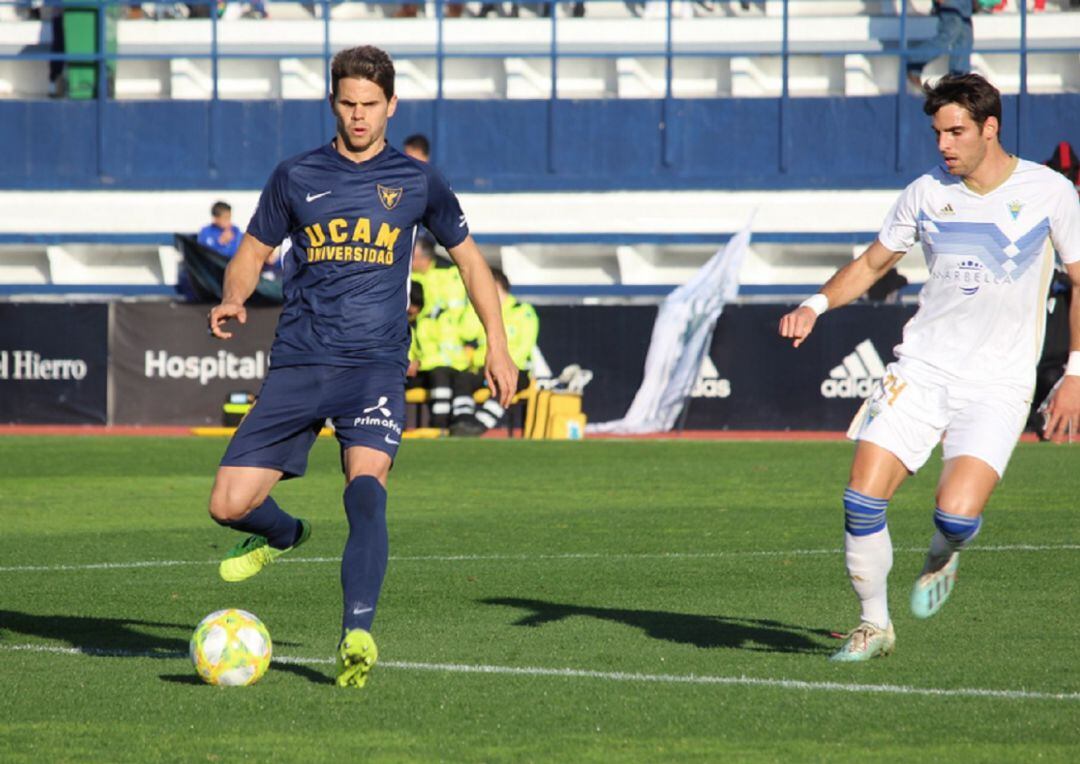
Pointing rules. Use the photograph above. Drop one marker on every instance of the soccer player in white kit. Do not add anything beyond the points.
(989, 223)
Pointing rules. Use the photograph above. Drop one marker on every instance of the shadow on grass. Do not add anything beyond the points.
(119, 638)
(709, 631)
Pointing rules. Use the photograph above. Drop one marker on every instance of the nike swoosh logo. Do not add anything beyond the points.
(313, 197)
(462, 223)
(391, 442)
(361, 611)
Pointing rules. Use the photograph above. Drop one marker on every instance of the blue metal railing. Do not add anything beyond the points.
(669, 52)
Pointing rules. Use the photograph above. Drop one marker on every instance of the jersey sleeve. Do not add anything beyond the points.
(443, 215)
(1065, 224)
(900, 230)
(271, 222)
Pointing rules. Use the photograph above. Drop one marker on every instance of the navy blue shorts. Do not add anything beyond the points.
(365, 403)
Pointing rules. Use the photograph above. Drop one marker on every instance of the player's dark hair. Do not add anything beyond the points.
(418, 141)
(500, 279)
(219, 208)
(365, 62)
(969, 91)
(416, 295)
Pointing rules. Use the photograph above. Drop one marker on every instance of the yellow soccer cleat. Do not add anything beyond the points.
(356, 655)
(253, 554)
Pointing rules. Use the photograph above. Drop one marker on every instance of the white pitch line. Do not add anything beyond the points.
(609, 676)
(532, 557)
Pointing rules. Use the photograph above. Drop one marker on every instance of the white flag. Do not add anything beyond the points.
(680, 340)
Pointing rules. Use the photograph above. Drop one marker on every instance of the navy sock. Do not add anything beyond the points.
(268, 519)
(363, 564)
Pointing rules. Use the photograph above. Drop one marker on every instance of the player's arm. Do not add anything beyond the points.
(241, 278)
(845, 285)
(1063, 413)
(499, 369)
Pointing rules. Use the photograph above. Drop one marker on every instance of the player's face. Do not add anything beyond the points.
(962, 144)
(361, 110)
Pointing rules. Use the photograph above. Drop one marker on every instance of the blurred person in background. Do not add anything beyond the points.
(418, 147)
(221, 235)
(522, 329)
(954, 37)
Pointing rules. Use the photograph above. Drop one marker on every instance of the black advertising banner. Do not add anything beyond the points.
(168, 370)
(610, 341)
(751, 379)
(754, 380)
(53, 363)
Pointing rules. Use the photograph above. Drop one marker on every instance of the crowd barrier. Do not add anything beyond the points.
(154, 363)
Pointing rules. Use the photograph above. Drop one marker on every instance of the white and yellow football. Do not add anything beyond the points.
(231, 648)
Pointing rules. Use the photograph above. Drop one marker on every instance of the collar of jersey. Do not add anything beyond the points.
(375, 161)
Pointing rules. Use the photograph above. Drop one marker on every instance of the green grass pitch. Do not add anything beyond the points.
(596, 601)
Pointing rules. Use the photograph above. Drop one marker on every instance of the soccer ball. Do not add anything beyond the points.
(230, 648)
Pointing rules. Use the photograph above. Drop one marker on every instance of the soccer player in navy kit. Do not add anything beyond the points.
(351, 209)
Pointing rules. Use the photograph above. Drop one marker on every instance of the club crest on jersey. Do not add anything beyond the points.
(389, 196)
(1014, 208)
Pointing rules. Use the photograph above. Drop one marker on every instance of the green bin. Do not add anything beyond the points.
(81, 21)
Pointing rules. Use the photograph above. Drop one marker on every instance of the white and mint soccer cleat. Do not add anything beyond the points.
(933, 588)
(866, 641)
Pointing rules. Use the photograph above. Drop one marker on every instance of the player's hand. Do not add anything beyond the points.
(1063, 413)
(798, 324)
(501, 374)
(222, 314)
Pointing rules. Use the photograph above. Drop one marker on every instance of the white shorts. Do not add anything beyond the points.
(908, 413)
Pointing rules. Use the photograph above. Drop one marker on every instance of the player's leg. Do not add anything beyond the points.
(977, 448)
(363, 563)
(963, 490)
(240, 499)
(369, 439)
(897, 429)
(876, 473)
(271, 443)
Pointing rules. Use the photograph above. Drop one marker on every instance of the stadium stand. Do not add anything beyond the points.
(834, 47)
(726, 118)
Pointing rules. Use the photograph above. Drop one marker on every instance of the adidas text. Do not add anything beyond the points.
(857, 375)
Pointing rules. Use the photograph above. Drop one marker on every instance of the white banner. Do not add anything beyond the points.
(680, 340)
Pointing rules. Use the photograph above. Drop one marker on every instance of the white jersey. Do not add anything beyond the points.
(981, 315)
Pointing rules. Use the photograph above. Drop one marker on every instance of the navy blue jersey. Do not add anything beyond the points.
(352, 228)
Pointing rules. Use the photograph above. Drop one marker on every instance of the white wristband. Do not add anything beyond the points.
(819, 303)
(1072, 368)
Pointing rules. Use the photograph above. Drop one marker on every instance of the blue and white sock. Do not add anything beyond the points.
(954, 532)
(868, 553)
(363, 564)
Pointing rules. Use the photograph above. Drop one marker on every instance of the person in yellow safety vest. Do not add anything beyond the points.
(437, 350)
(444, 291)
(522, 329)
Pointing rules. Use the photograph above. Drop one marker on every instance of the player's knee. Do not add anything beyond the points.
(957, 528)
(364, 496)
(228, 504)
(863, 514)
